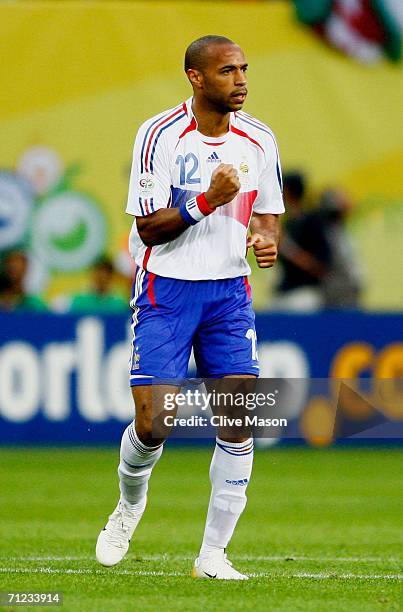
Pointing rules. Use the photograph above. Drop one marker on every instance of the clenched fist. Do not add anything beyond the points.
(265, 250)
(224, 186)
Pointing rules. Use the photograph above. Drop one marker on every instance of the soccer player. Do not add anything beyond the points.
(203, 173)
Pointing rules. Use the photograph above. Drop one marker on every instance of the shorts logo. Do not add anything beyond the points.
(146, 184)
(136, 361)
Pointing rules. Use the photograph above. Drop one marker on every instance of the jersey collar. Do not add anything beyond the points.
(187, 107)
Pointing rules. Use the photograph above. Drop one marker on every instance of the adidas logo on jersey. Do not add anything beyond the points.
(213, 158)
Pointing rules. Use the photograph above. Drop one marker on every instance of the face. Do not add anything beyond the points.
(222, 81)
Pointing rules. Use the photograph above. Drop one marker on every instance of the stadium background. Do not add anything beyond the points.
(76, 80)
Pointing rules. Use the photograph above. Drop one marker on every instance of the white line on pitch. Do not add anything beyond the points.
(315, 576)
(51, 570)
(325, 576)
(319, 559)
(167, 557)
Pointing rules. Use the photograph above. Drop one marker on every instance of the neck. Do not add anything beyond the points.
(210, 121)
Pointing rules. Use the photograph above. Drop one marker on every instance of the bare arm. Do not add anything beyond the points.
(265, 236)
(161, 226)
(167, 224)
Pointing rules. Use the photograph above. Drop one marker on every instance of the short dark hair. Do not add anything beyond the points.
(195, 54)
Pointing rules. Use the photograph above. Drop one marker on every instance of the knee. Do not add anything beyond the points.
(146, 432)
(144, 421)
(149, 429)
(149, 420)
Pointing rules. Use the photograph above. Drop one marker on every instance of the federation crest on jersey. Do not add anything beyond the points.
(243, 174)
(136, 361)
(146, 184)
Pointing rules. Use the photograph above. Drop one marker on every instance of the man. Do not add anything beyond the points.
(203, 172)
(102, 297)
(13, 291)
(304, 253)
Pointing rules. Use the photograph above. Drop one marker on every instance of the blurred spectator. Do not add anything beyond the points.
(304, 252)
(342, 285)
(13, 295)
(102, 297)
(124, 264)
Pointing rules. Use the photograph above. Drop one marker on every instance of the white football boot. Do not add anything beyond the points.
(114, 539)
(216, 565)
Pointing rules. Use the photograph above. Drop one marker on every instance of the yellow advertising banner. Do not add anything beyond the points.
(78, 78)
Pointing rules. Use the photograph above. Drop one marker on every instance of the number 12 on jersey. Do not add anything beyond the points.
(188, 167)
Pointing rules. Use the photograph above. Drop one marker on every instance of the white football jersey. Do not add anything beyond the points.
(173, 163)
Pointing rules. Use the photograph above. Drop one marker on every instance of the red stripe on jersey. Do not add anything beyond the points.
(190, 128)
(150, 289)
(247, 286)
(240, 208)
(157, 127)
(184, 108)
(245, 135)
(214, 144)
(146, 257)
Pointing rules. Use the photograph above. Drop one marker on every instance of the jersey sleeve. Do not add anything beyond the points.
(270, 186)
(150, 181)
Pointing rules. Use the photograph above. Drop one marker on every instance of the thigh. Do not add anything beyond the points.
(225, 342)
(162, 329)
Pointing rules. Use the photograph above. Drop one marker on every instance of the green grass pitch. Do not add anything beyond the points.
(322, 531)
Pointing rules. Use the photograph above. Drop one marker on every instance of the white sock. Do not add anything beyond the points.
(136, 464)
(230, 471)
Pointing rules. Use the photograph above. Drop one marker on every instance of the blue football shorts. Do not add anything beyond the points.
(171, 316)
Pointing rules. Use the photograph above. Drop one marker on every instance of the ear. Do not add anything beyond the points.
(195, 77)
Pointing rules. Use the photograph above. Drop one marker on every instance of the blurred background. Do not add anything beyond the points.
(77, 79)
